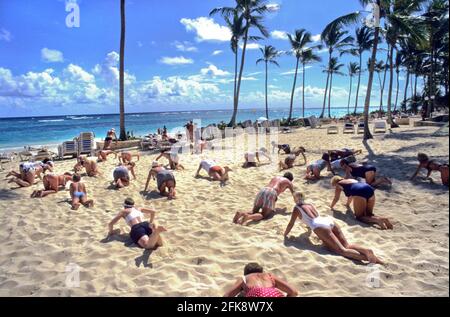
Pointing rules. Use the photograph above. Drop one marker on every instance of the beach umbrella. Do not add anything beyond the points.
(262, 119)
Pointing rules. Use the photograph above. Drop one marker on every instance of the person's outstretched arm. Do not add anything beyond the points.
(151, 212)
(416, 173)
(285, 287)
(235, 289)
(132, 172)
(148, 181)
(337, 195)
(289, 227)
(198, 171)
(113, 222)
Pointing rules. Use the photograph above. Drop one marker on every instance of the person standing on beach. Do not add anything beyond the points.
(89, 165)
(78, 193)
(110, 136)
(165, 180)
(143, 233)
(215, 172)
(266, 199)
(362, 195)
(256, 283)
(328, 231)
(52, 184)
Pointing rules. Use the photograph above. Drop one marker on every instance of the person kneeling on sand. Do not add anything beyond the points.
(216, 172)
(78, 193)
(173, 157)
(328, 231)
(89, 165)
(52, 184)
(363, 197)
(127, 157)
(143, 233)
(315, 168)
(102, 155)
(281, 147)
(252, 158)
(290, 159)
(368, 172)
(164, 180)
(256, 283)
(121, 174)
(431, 166)
(266, 199)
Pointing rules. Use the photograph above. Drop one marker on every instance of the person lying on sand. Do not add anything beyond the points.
(256, 283)
(266, 199)
(281, 147)
(315, 168)
(290, 159)
(143, 233)
(363, 197)
(78, 193)
(27, 173)
(102, 156)
(432, 166)
(165, 180)
(121, 174)
(173, 158)
(127, 157)
(328, 231)
(334, 166)
(52, 184)
(342, 153)
(368, 172)
(110, 135)
(252, 158)
(216, 172)
(89, 165)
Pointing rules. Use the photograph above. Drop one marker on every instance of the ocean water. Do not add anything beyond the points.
(15, 133)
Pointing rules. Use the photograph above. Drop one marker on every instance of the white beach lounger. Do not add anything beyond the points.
(68, 148)
(360, 129)
(333, 129)
(349, 128)
(380, 126)
(86, 144)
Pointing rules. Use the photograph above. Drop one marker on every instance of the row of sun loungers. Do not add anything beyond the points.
(350, 128)
(83, 144)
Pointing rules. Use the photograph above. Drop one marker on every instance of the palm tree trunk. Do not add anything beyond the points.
(325, 97)
(432, 86)
(349, 95)
(267, 103)
(241, 71)
(293, 91)
(359, 82)
(415, 85)
(384, 82)
(367, 134)
(329, 95)
(405, 97)
(235, 75)
(123, 134)
(303, 92)
(391, 85)
(397, 66)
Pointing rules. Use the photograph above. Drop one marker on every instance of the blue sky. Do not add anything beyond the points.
(177, 57)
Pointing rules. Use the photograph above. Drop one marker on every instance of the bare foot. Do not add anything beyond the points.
(237, 216)
(388, 224)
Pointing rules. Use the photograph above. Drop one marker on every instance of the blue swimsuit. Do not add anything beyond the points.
(360, 171)
(358, 189)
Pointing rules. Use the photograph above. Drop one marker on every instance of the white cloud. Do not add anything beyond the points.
(139, 44)
(51, 56)
(292, 71)
(76, 73)
(179, 60)
(5, 35)
(206, 29)
(176, 87)
(316, 38)
(109, 71)
(218, 52)
(184, 46)
(279, 35)
(251, 46)
(213, 71)
(273, 7)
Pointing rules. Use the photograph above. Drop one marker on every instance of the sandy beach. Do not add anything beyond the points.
(204, 252)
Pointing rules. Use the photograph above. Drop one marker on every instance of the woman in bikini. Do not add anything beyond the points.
(328, 231)
(368, 172)
(52, 184)
(363, 197)
(109, 138)
(165, 180)
(143, 233)
(432, 166)
(216, 172)
(28, 172)
(78, 193)
(256, 283)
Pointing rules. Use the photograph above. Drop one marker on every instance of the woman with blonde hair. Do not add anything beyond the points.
(328, 231)
(363, 197)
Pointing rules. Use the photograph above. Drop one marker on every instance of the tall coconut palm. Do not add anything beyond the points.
(353, 70)
(398, 63)
(123, 134)
(269, 54)
(307, 57)
(332, 68)
(252, 12)
(299, 44)
(335, 39)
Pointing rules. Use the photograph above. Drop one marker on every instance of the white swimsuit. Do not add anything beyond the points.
(133, 215)
(314, 223)
(207, 164)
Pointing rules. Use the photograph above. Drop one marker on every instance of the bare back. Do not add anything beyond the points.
(280, 184)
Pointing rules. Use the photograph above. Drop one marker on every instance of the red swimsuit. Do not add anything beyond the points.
(262, 291)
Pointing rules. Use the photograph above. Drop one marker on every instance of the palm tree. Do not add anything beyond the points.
(379, 68)
(269, 55)
(353, 70)
(307, 57)
(299, 44)
(398, 63)
(252, 11)
(123, 134)
(333, 68)
(334, 39)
